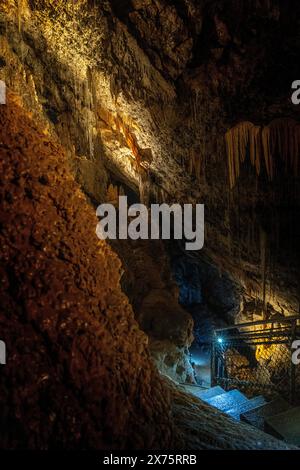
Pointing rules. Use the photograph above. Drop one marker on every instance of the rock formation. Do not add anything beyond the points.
(167, 101)
(79, 373)
(155, 117)
(75, 350)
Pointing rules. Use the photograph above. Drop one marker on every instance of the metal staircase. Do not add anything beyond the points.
(256, 358)
(276, 417)
(253, 379)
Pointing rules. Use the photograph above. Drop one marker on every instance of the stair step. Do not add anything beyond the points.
(257, 417)
(252, 404)
(228, 400)
(193, 389)
(204, 394)
(210, 393)
(285, 426)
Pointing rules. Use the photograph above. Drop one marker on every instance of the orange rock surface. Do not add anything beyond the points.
(78, 371)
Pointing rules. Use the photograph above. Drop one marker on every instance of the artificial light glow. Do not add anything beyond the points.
(220, 340)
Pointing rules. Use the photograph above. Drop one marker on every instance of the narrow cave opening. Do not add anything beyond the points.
(213, 301)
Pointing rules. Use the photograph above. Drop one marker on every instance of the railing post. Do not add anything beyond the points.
(293, 366)
(213, 361)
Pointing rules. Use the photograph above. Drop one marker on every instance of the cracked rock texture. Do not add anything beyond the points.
(154, 296)
(145, 91)
(138, 93)
(79, 373)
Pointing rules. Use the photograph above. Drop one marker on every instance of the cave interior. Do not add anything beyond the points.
(110, 343)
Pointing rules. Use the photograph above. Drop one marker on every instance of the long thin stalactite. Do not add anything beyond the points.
(280, 140)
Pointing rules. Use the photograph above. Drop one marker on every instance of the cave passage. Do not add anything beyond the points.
(185, 337)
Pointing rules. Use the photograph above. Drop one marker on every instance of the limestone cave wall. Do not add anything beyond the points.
(79, 374)
(145, 93)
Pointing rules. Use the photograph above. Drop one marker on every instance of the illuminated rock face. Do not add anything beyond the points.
(78, 371)
(142, 95)
(154, 296)
(279, 141)
(147, 92)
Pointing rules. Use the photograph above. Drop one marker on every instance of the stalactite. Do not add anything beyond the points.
(125, 129)
(144, 187)
(20, 6)
(255, 148)
(112, 194)
(130, 139)
(76, 85)
(267, 152)
(238, 140)
(263, 247)
(91, 105)
(195, 164)
(281, 138)
(191, 163)
(153, 194)
(89, 111)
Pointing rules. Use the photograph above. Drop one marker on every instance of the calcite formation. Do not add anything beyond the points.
(78, 374)
(138, 96)
(276, 145)
(148, 282)
(146, 92)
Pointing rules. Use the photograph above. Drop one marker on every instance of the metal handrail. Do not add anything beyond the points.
(260, 322)
(286, 333)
